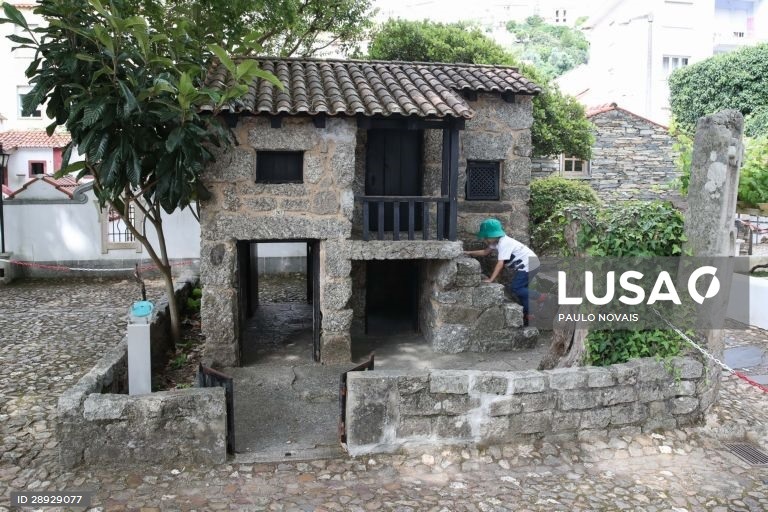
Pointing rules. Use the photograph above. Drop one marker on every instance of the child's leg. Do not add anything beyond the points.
(519, 286)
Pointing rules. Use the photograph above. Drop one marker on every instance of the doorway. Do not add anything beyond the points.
(279, 306)
(392, 297)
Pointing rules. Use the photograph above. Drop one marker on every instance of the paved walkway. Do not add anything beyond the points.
(51, 333)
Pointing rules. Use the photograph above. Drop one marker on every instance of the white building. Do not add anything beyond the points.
(635, 46)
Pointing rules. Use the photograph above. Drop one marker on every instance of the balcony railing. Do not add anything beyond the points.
(406, 216)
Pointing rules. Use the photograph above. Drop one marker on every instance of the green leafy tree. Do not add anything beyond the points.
(737, 80)
(130, 93)
(559, 121)
(553, 49)
(271, 27)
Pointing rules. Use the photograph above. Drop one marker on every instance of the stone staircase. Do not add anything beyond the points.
(463, 314)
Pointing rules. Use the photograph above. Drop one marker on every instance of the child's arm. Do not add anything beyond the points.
(496, 271)
(479, 252)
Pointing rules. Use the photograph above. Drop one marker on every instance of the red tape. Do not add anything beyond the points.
(746, 379)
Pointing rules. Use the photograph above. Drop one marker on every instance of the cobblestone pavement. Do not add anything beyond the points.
(53, 332)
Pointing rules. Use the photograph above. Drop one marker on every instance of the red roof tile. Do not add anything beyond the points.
(350, 87)
(66, 185)
(33, 139)
(7, 191)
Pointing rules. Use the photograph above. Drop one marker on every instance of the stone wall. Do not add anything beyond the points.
(462, 314)
(389, 410)
(499, 131)
(632, 158)
(320, 208)
(98, 423)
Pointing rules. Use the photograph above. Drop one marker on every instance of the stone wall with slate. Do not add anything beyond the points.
(389, 410)
(632, 158)
(98, 422)
(460, 313)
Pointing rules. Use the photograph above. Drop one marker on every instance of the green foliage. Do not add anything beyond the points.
(756, 123)
(636, 228)
(197, 293)
(548, 197)
(612, 347)
(737, 80)
(553, 49)
(683, 147)
(753, 177)
(560, 124)
(282, 27)
(179, 361)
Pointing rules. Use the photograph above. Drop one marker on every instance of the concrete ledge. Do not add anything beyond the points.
(389, 410)
(97, 422)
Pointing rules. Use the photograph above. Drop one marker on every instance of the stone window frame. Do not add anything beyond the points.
(569, 160)
(109, 245)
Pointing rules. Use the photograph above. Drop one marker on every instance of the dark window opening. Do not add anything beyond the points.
(482, 181)
(36, 168)
(279, 167)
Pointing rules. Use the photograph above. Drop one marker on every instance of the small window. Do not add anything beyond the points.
(672, 62)
(279, 167)
(21, 92)
(36, 168)
(482, 181)
(573, 167)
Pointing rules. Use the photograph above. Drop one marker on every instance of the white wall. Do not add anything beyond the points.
(274, 250)
(69, 231)
(18, 164)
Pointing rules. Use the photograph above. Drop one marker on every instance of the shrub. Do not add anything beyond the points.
(753, 177)
(612, 347)
(549, 196)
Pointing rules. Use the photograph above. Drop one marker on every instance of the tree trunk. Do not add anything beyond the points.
(568, 343)
(173, 306)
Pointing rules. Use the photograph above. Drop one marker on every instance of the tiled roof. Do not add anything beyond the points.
(66, 185)
(599, 109)
(7, 191)
(33, 139)
(349, 87)
(607, 107)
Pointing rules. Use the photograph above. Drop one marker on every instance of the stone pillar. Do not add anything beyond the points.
(335, 294)
(709, 223)
(219, 311)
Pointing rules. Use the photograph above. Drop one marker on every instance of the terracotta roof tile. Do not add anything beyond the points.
(66, 185)
(607, 107)
(7, 191)
(33, 139)
(349, 87)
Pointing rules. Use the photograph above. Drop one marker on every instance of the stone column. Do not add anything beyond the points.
(219, 311)
(709, 223)
(335, 294)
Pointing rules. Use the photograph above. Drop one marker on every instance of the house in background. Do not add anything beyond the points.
(632, 158)
(635, 46)
(33, 154)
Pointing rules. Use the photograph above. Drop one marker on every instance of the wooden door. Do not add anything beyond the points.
(394, 168)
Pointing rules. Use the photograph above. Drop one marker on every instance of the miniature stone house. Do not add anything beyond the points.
(383, 169)
(632, 158)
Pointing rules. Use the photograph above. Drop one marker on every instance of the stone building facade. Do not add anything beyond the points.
(632, 158)
(332, 114)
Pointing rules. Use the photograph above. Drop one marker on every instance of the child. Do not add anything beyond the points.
(513, 255)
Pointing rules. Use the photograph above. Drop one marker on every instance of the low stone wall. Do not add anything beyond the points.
(460, 313)
(389, 410)
(97, 422)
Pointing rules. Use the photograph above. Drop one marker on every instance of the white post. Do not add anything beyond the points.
(139, 355)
